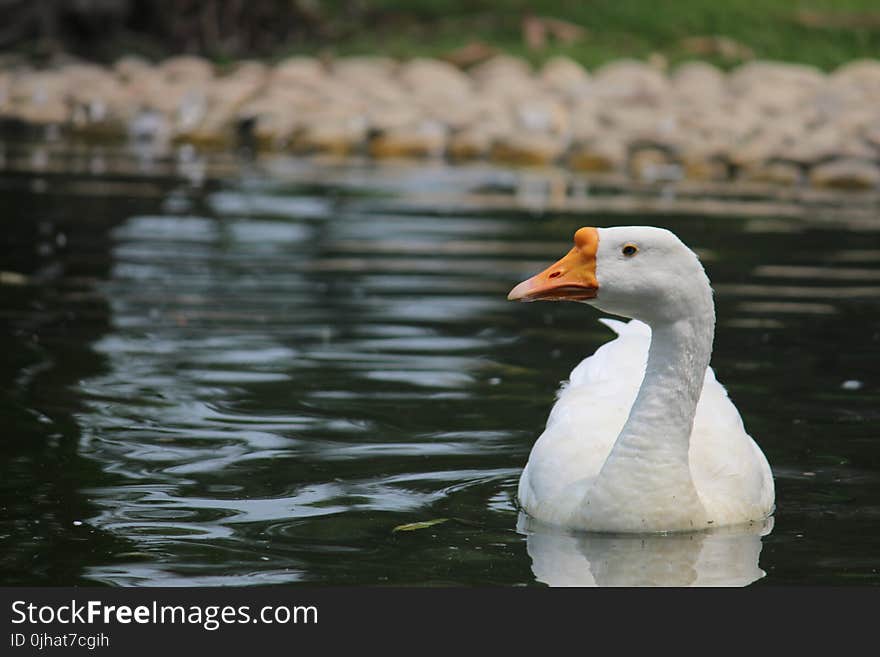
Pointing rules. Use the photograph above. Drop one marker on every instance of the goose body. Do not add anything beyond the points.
(642, 437)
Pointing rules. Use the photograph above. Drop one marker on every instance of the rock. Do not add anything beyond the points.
(506, 80)
(5, 93)
(703, 157)
(528, 148)
(658, 124)
(179, 89)
(767, 121)
(306, 71)
(847, 174)
(542, 115)
(38, 97)
(215, 124)
(631, 82)
(268, 120)
(470, 143)
(387, 118)
(702, 166)
(475, 138)
(776, 173)
(565, 77)
(761, 147)
(131, 66)
(424, 139)
(811, 146)
(863, 74)
(775, 87)
(457, 115)
(699, 82)
(512, 89)
(777, 100)
(871, 136)
(773, 74)
(336, 136)
(357, 70)
(187, 68)
(248, 69)
(434, 78)
(364, 83)
(599, 155)
(467, 112)
(97, 100)
(584, 123)
(729, 122)
(858, 131)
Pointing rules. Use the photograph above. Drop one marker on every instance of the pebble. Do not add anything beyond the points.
(849, 174)
(470, 143)
(421, 140)
(779, 173)
(598, 155)
(527, 148)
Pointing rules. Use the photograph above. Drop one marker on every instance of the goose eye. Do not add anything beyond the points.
(630, 250)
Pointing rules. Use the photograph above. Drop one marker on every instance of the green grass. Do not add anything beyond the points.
(616, 28)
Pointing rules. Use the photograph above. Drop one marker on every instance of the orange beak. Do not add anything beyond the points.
(573, 278)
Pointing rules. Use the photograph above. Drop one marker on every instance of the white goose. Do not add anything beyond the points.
(642, 437)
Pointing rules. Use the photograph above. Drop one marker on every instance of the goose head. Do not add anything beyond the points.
(642, 272)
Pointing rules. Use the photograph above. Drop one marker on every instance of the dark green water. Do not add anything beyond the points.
(232, 377)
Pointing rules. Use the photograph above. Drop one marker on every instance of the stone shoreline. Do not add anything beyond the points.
(767, 122)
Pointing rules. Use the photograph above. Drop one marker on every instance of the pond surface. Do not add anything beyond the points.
(248, 375)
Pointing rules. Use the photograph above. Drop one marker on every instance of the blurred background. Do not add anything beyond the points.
(825, 33)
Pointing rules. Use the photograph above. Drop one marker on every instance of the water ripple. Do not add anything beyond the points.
(286, 378)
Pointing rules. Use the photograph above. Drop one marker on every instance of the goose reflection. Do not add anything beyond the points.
(725, 556)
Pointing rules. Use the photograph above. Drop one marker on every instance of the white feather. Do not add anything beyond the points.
(590, 411)
(683, 460)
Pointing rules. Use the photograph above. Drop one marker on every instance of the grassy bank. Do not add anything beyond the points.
(825, 33)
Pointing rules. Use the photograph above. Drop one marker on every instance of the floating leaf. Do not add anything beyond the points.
(12, 278)
(413, 526)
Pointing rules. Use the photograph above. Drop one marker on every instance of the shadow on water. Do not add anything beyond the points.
(253, 374)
